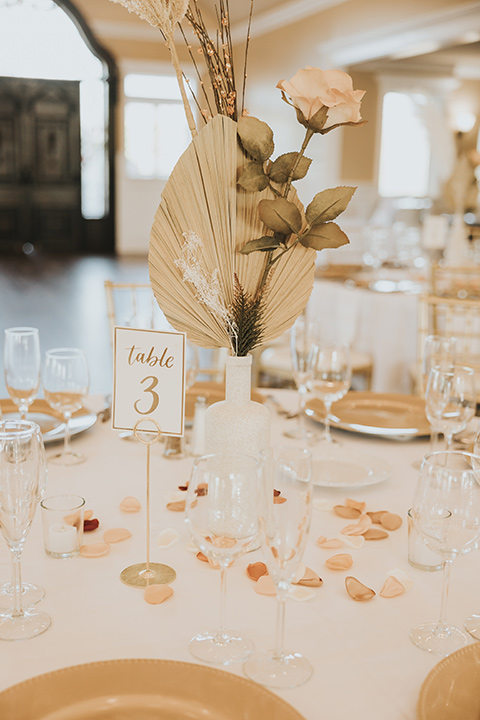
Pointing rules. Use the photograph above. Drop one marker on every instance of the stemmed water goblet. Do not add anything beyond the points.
(284, 524)
(330, 380)
(447, 514)
(304, 337)
(450, 399)
(22, 366)
(21, 472)
(221, 514)
(65, 386)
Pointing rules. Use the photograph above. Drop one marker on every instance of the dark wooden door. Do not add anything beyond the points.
(40, 195)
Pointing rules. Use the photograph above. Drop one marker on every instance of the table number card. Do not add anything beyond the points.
(149, 379)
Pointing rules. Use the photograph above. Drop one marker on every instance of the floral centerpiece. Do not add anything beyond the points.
(232, 248)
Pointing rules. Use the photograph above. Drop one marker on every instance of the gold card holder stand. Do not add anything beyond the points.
(142, 575)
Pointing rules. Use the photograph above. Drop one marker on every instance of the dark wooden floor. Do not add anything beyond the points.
(64, 298)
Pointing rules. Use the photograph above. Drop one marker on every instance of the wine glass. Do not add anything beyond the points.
(284, 525)
(450, 399)
(31, 592)
(447, 505)
(221, 514)
(22, 366)
(20, 473)
(330, 380)
(304, 337)
(65, 386)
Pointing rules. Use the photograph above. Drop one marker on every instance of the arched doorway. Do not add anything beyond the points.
(57, 97)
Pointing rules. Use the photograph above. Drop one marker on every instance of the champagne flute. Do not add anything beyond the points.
(450, 399)
(221, 514)
(20, 473)
(22, 366)
(447, 505)
(65, 386)
(331, 379)
(304, 337)
(284, 529)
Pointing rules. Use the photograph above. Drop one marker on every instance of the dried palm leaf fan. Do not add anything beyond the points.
(202, 196)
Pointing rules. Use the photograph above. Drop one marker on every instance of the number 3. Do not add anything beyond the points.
(149, 389)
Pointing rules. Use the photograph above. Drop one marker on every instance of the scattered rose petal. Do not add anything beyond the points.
(358, 528)
(191, 546)
(356, 504)
(168, 537)
(376, 516)
(276, 493)
(201, 489)
(402, 577)
(354, 541)
(391, 588)
(265, 586)
(215, 565)
(357, 590)
(94, 550)
(321, 504)
(324, 542)
(299, 573)
(301, 594)
(279, 499)
(201, 556)
(156, 594)
(130, 505)
(310, 579)
(88, 514)
(115, 535)
(90, 525)
(343, 561)
(390, 521)
(183, 488)
(375, 534)
(256, 570)
(350, 513)
(178, 506)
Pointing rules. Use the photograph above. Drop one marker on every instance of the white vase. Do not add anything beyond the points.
(237, 424)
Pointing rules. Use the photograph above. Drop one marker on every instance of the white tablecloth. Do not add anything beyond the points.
(365, 665)
(380, 323)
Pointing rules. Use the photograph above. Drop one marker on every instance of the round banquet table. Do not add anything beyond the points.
(365, 665)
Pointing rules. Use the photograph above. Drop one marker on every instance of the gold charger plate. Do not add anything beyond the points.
(51, 422)
(389, 415)
(451, 690)
(140, 689)
(213, 392)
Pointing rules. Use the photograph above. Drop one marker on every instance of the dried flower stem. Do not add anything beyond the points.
(179, 74)
(245, 62)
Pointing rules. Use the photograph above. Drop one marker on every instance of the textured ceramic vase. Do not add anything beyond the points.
(237, 424)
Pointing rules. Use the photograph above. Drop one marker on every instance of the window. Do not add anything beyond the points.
(156, 131)
(405, 147)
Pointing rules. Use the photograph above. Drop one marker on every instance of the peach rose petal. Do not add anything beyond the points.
(130, 505)
(279, 500)
(265, 586)
(115, 535)
(329, 544)
(391, 588)
(301, 594)
(310, 579)
(391, 521)
(357, 590)
(256, 570)
(343, 561)
(178, 506)
(376, 516)
(156, 594)
(167, 537)
(354, 541)
(375, 534)
(358, 528)
(90, 525)
(201, 556)
(349, 513)
(88, 514)
(94, 550)
(355, 504)
(402, 577)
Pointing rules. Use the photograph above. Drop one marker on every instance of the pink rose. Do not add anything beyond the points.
(312, 89)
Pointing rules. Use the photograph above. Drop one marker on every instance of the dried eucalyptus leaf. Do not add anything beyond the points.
(280, 169)
(256, 137)
(280, 215)
(328, 204)
(324, 236)
(267, 242)
(253, 177)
